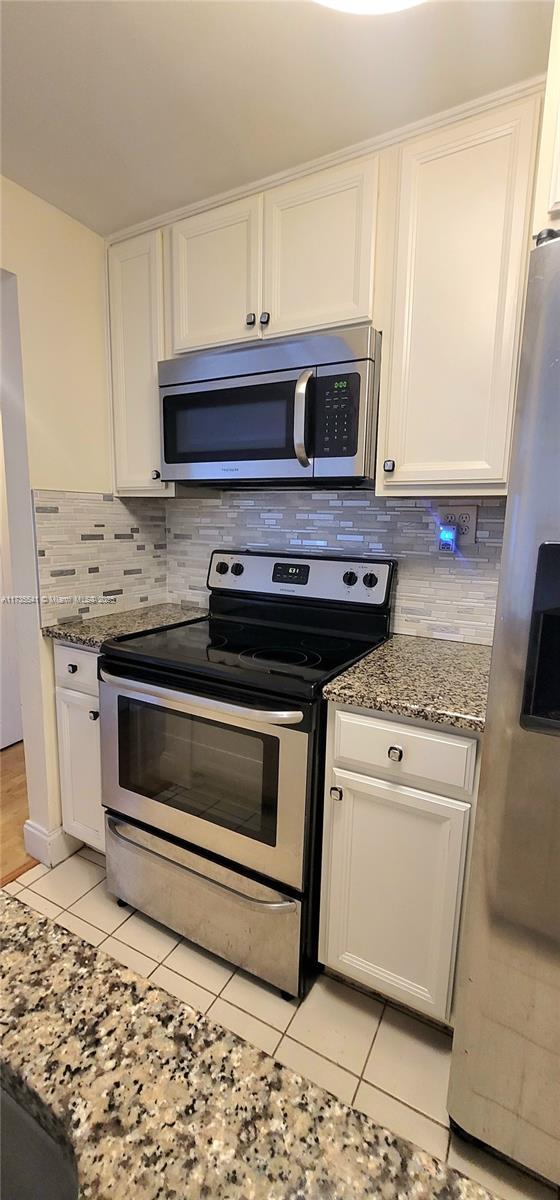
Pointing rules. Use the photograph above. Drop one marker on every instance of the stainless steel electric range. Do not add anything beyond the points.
(212, 748)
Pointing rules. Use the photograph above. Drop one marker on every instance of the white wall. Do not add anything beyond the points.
(60, 269)
(56, 435)
(10, 705)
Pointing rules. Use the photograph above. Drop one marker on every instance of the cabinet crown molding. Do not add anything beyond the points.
(393, 137)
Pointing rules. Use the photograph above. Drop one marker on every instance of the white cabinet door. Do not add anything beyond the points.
(79, 758)
(461, 257)
(136, 323)
(215, 275)
(319, 237)
(393, 865)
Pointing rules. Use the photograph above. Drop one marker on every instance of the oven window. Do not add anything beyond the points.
(233, 424)
(224, 775)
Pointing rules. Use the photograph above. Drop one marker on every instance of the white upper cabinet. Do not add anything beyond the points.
(137, 344)
(216, 275)
(547, 191)
(462, 241)
(319, 236)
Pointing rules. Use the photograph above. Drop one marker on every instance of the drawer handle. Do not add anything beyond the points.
(266, 905)
(395, 753)
(93, 715)
(71, 668)
(336, 793)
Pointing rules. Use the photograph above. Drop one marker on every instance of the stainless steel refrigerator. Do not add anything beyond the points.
(505, 1071)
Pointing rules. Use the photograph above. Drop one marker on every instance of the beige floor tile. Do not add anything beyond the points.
(338, 1021)
(93, 856)
(402, 1120)
(12, 888)
(41, 905)
(505, 1181)
(245, 1026)
(101, 909)
(209, 971)
(184, 989)
(128, 956)
(410, 1060)
(33, 874)
(81, 928)
(318, 1069)
(259, 1000)
(70, 880)
(148, 936)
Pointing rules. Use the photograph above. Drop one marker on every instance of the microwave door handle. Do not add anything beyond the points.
(261, 716)
(300, 413)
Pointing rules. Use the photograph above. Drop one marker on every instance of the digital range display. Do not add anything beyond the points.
(284, 572)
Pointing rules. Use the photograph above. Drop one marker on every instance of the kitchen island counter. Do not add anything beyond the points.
(155, 1101)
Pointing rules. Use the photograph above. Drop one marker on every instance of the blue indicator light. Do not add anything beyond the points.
(448, 538)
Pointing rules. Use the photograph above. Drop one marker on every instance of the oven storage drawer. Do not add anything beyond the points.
(246, 922)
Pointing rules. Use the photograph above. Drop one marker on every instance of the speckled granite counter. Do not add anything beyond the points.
(161, 1104)
(94, 631)
(425, 678)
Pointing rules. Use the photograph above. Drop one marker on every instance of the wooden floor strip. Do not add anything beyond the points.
(14, 858)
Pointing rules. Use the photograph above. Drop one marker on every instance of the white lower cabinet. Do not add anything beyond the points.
(393, 870)
(79, 754)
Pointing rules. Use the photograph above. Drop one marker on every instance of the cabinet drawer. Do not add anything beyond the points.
(439, 760)
(76, 669)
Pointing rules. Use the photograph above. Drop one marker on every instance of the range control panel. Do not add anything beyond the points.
(354, 581)
(336, 415)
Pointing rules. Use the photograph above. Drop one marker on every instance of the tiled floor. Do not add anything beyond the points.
(387, 1064)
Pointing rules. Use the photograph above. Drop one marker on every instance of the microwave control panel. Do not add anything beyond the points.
(336, 415)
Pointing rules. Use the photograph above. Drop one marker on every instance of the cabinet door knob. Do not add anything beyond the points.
(156, 474)
(251, 319)
(93, 715)
(71, 668)
(389, 465)
(336, 793)
(395, 753)
(264, 318)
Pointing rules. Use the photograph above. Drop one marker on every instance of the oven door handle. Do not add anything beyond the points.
(260, 715)
(300, 414)
(267, 905)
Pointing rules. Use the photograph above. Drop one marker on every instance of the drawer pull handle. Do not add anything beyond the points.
(336, 793)
(71, 668)
(395, 753)
(93, 715)
(264, 905)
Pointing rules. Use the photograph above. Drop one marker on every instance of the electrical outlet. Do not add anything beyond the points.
(463, 516)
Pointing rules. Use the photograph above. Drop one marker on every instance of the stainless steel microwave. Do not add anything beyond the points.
(286, 410)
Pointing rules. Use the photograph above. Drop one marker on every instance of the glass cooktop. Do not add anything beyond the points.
(269, 656)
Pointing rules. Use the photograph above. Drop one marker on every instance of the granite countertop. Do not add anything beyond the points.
(158, 1103)
(92, 632)
(428, 679)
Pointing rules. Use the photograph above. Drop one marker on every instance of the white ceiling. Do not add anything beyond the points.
(119, 111)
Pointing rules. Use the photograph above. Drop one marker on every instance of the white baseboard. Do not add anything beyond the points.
(49, 846)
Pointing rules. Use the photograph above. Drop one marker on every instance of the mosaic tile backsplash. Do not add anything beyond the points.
(93, 549)
(436, 596)
(97, 554)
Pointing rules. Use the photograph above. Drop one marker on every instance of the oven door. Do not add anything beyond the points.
(255, 427)
(227, 778)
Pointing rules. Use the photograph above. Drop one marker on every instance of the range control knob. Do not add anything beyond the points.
(350, 578)
(222, 568)
(370, 580)
(237, 569)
